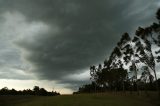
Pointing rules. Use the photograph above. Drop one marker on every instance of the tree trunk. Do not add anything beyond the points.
(157, 87)
(137, 83)
(123, 87)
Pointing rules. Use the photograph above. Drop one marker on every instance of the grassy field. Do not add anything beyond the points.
(82, 100)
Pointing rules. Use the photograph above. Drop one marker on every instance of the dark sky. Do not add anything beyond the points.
(57, 40)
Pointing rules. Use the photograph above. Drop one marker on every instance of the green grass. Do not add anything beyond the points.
(106, 99)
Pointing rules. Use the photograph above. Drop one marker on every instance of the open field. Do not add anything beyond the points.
(82, 100)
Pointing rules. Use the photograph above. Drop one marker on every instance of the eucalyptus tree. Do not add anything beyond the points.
(116, 57)
(93, 74)
(147, 57)
(135, 52)
(146, 75)
(93, 71)
(151, 38)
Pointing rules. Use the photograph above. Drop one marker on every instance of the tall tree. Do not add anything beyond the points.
(116, 57)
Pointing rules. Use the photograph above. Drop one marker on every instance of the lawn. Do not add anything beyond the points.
(106, 99)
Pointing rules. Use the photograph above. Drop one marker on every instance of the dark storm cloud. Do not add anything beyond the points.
(87, 31)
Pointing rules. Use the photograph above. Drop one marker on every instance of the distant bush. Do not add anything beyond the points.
(36, 91)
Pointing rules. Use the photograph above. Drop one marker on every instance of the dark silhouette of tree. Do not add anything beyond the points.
(152, 38)
(93, 73)
(131, 57)
(36, 90)
(144, 50)
(158, 14)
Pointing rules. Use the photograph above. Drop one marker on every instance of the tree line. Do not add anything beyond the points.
(36, 91)
(131, 65)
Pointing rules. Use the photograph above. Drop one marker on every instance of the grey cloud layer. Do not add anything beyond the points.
(87, 31)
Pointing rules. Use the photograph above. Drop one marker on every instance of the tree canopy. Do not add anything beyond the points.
(132, 62)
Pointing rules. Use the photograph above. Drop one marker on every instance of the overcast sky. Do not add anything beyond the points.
(52, 43)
